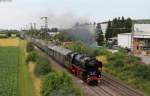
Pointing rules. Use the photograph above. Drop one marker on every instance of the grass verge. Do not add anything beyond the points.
(26, 86)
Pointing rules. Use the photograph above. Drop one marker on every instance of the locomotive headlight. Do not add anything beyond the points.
(99, 69)
(99, 76)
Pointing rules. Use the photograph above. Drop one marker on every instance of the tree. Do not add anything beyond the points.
(63, 37)
(54, 30)
(108, 33)
(128, 25)
(30, 47)
(32, 57)
(99, 35)
(8, 34)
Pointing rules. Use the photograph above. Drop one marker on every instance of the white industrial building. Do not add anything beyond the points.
(140, 31)
(140, 37)
(124, 40)
(52, 34)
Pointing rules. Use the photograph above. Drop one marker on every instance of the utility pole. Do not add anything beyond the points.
(31, 26)
(45, 22)
(41, 32)
(30, 31)
(45, 28)
(132, 39)
(34, 26)
(34, 29)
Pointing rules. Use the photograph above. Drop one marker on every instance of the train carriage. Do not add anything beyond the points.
(58, 53)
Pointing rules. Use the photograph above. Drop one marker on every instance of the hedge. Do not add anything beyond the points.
(43, 66)
(59, 84)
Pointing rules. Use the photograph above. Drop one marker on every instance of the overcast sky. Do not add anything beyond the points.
(19, 13)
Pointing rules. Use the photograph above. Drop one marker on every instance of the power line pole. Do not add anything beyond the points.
(34, 26)
(132, 39)
(45, 22)
(45, 28)
(31, 27)
(30, 31)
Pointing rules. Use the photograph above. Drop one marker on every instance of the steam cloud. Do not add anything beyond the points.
(64, 20)
(67, 21)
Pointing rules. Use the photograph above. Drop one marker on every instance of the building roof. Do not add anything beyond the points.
(141, 35)
(60, 49)
(53, 33)
(113, 38)
(125, 34)
(142, 28)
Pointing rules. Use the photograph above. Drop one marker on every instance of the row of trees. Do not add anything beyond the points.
(117, 26)
(114, 27)
(8, 33)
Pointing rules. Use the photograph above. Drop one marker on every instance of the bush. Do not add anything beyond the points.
(142, 71)
(85, 49)
(133, 59)
(115, 56)
(17, 35)
(118, 63)
(43, 66)
(32, 56)
(30, 47)
(59, 84)
(101, 51)
(123, 50)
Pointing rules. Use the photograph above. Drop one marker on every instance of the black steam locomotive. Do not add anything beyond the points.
(82, 66)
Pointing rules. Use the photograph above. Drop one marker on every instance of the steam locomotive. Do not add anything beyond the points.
(82, 66)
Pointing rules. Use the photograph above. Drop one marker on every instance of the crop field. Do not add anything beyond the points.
(15, 79)
(9, 42)
(9, 66)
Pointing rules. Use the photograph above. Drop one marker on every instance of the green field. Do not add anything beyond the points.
(9, 66)
(15, 78)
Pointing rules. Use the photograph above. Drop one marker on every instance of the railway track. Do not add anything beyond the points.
(96, 91)
(112, 87)
(121, 88)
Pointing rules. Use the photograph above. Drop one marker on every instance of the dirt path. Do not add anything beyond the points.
(145, 59)
(37, 81)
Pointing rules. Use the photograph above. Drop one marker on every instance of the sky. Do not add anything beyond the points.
(17, 14)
